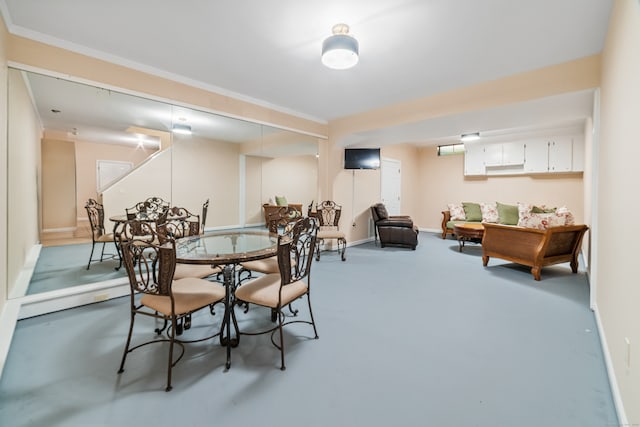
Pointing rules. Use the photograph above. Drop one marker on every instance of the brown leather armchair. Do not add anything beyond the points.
(397, 230)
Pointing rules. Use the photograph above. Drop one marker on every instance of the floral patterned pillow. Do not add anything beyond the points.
(524, 209)
(489, 212)
(541, 221)
(457, 212)
(563, 211)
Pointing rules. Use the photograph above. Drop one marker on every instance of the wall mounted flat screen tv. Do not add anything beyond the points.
(362, 158)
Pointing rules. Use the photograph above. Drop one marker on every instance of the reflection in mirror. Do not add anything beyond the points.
(70, 142)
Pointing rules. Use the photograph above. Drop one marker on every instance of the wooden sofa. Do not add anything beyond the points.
(533, 247)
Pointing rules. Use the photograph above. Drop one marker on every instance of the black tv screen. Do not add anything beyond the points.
(362, 158)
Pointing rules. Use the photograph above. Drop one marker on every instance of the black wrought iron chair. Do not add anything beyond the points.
(328, 215)
(95, 212)
(275, 291)
(182, 223)
(150, 268)
(205, 209)
(277, 220)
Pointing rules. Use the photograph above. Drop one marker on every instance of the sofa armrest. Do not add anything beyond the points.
(446, 217)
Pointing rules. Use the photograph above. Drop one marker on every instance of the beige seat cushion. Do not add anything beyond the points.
(189, 294)
(265, 289)
(265, 266)
(194, 270)
(105, 238)
(330, 233)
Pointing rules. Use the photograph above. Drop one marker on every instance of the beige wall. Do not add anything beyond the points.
(294, 177)
(24, 135)
(87, 154)
(58, 185)
(204, 169)
(442, 181)
(618, 286)
(3, 165)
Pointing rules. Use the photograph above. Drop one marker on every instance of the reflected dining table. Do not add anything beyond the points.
(227, 249)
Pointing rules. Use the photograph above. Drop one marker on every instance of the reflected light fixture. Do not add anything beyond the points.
(340, 51)
(467, 137)
(182, 129)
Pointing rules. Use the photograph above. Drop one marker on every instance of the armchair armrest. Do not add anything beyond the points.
(396, 221)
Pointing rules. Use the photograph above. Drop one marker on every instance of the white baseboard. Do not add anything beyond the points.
(613, 382)
(62, 299)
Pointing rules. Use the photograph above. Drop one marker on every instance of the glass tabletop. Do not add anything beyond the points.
(223, 247)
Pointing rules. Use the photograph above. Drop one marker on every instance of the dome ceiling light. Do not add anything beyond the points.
(340, 51)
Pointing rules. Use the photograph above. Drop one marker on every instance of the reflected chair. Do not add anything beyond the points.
(205, 209)
(328, 215)
(396, 230)
(95, 212)
(275, 291)
(182, 223)
(156, 293)
(276, 220)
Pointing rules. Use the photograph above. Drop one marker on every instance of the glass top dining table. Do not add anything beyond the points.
(226, 247)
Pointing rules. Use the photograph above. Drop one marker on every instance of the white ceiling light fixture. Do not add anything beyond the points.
(181, 129)
(340, 51)
(467, 137)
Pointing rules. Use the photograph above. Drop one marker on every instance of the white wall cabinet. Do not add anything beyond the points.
(541, 155)
(474, 160)
(555, 155)
(561, 155)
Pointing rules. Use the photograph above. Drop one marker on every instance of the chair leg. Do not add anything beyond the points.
(344, 248)
(313, 322)
(280, 321)
(93, 245)
(126, 347)
(172, 338)
(102, 253)
(319, 243)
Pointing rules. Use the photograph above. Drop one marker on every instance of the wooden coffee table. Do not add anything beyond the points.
(468, 232)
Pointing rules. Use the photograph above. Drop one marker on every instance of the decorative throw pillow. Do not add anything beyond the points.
(507, 214)
(489, 212)
(456, 210)
(564, 212)
(542, 209)
(472, 211)
(281, 201)
(541, 221)
(382, 211)
(524, 209)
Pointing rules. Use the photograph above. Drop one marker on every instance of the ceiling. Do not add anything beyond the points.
(268, 51)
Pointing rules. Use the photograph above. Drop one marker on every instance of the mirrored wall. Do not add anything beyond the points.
(69, 142)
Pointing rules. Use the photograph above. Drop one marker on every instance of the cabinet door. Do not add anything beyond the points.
(512, 153)
(493, 155)
(536, 156)
(473, 160)
(560, 155)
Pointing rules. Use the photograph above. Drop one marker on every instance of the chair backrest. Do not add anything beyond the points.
(378, 212)
(296, 250)
(205, 209)
(150, 265)
(328, 213)
(179, 222)
(95, 212)
(153, 207)
(280, 217)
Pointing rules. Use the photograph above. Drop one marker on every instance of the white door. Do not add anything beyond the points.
(390, 185)
(109, 171)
